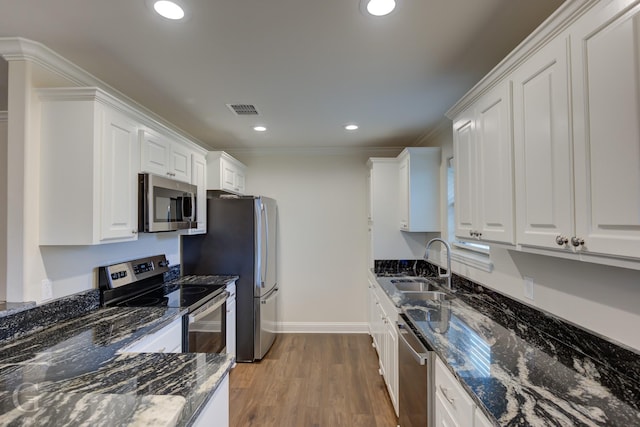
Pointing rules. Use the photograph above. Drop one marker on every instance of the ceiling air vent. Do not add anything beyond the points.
(243, 109)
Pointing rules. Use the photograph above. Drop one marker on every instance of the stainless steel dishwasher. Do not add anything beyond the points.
(416, 378)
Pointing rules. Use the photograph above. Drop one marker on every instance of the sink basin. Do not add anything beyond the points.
(429, 296)
(416, 286)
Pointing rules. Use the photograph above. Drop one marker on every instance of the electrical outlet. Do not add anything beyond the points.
(47, 289)
(528, 288)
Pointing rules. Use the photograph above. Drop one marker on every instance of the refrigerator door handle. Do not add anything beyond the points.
(265, 225)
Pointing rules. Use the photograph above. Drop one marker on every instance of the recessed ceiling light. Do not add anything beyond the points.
(380, 7)
(351, 127)
(259, 128)
(169, 9)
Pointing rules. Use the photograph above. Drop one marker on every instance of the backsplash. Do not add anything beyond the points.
(42, 316)
(418, 267)
(616, 366)
(173, 273)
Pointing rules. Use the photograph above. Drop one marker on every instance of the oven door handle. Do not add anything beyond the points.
(217, 303)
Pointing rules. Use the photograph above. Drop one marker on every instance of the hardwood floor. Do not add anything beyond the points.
(312, 380)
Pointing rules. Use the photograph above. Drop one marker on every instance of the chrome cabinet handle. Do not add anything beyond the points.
(451, 400)
(561, 240)
(577, 241)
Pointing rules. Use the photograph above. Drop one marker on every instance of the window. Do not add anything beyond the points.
(475, 254)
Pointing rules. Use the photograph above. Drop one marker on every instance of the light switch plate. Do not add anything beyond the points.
(528, 288)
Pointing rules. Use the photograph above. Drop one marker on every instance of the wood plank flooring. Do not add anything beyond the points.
(312, 380)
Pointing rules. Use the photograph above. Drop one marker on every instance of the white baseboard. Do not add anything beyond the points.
(323, 327)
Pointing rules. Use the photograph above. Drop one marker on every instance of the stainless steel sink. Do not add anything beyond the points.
(429, 296)
(416, 286)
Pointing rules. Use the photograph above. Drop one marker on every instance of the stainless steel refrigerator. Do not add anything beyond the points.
(241, 240)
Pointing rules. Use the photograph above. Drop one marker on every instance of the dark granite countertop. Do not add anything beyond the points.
(517, 372)
(11, 308)
(72, 373)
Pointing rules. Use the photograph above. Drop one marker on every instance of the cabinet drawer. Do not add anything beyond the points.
(166, 340)
(454, 397)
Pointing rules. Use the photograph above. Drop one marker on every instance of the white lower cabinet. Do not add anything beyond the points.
(166, 340)
(383, 315)
(480, 420)
(453, 406)
(231, 319)
(216, 411)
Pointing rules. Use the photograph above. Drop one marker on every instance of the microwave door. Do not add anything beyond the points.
(189, 207)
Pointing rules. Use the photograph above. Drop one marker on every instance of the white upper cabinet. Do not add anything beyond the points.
(484, 168)
(419, 189)
(225, 173)
(542, 142)
(161, 156)
(576, 139)
(606, 116)
(199, 178)
(89, 163)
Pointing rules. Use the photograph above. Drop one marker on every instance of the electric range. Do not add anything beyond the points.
(141, 283)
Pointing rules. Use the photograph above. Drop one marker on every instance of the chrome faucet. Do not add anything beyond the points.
(446, 275)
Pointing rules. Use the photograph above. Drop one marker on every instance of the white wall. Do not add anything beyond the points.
(321, 197)
(73, 269)
(3, 205)
(603, 299)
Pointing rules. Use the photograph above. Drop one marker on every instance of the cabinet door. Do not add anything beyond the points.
(199, 178)
(542, 147)
(166, 340)
(180, 163)
(495, 210)
(239, 181)
(156, 153)
(403, 180)
(371, 303)
(391, 362)
(231, 325)
(216, 410)
(442, 415)
(480, 420)
(465, 175)
(228, 176)
(605, 58)
(120, 165)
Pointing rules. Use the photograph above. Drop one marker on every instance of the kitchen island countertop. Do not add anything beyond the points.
(74, 374)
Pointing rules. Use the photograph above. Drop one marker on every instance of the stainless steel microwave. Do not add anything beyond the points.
(165, 204)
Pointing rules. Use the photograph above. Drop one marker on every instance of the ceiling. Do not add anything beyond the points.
(308, 67)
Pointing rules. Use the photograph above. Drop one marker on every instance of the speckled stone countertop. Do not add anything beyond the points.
(533, 369)
(10, 308)
(72, 373)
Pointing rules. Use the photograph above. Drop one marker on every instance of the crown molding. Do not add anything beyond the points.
(443, 124)
(316, 151)
(564, 16)
(21, 49)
